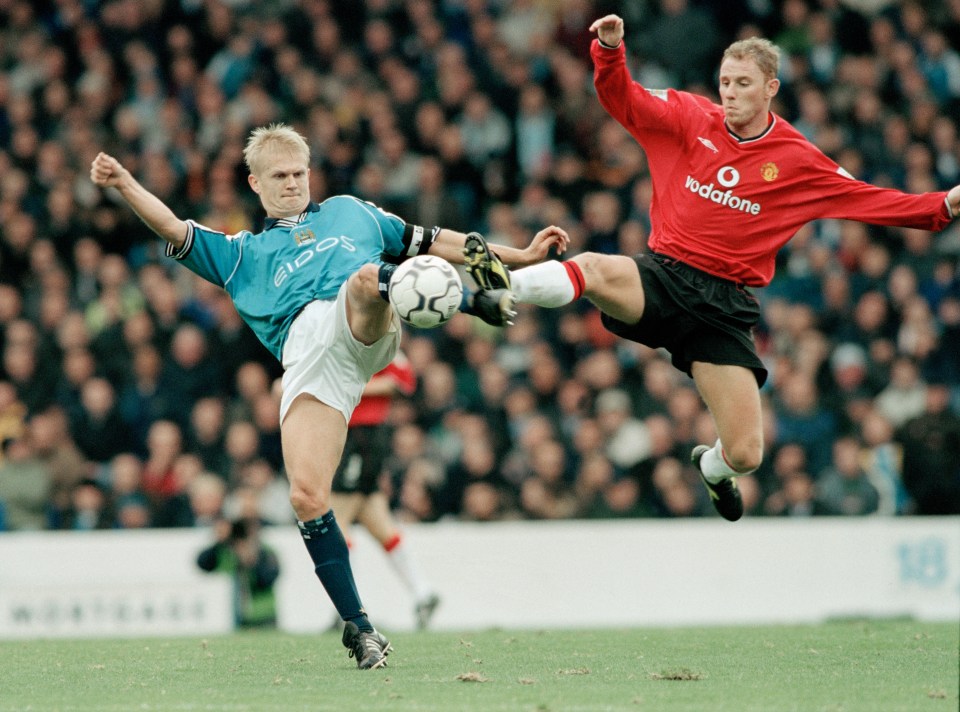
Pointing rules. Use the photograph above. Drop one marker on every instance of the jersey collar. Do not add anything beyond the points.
(751, 139)
(271, 223)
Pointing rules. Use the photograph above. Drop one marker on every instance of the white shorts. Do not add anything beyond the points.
(321, 357)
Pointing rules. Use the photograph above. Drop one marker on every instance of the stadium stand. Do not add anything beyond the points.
(128, 388)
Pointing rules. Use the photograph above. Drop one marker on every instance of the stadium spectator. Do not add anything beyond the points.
(190, 374)
(241, 447)
(164, 445)
(143, 399)
(483, 502)
(844, 487)
(89, 508)
(802, 420)
(130, 503)
(54, 446)
(78, 365)
(419, 481)
(546, 492)
(205, 493)
(206, 434)
(905, 397)
(796, 498)
(682, 39)
(261, 494)
(672, 495)
(251, 381)
(98, 429)
(25, 367)
(25, 486)
(931, 447)
(266, 420)
(477, 462)
(883, 461)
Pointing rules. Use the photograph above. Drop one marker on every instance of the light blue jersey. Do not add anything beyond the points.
(272, 275)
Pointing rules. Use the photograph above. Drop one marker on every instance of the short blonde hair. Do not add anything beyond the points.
(762, 51)
(275, 137)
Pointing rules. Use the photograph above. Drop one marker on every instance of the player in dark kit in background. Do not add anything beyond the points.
(732, 184)
(356, 494)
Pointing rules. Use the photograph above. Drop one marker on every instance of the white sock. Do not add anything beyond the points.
(546, 284)
(714, 467)
(408, 571)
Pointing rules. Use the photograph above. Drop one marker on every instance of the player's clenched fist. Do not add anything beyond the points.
(106, 171)
(609, 29)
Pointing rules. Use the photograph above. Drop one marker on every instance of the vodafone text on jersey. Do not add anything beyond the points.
(727, 177)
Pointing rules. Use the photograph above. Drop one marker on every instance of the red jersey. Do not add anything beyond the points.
(725, 205)
(374, 409)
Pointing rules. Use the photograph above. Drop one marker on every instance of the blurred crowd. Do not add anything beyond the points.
(131, 395)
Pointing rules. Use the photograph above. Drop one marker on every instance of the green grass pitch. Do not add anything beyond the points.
(873, 666)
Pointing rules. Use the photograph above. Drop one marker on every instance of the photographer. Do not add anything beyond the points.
(254, 568)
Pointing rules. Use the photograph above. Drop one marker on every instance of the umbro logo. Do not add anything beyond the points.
(708, 143)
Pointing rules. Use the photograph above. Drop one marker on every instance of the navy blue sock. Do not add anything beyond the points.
(331, 559)
(383, 279)
(466, 301)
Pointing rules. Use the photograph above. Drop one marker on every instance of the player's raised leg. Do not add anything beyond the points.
(368, 313)
(611, 282)
(733, 397)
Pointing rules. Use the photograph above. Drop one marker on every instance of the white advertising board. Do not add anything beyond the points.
(511, 574)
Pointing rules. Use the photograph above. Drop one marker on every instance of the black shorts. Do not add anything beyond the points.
(693, 315)
(362, 461)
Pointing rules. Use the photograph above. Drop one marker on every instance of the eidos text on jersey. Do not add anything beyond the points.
(288, 267)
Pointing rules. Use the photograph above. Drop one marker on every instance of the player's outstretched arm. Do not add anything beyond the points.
(609, 30)
(107, 172)
(953, 201)
(449, 245)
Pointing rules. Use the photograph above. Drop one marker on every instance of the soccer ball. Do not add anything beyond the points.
(425, 291)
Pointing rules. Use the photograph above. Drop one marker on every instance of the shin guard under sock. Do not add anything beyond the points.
(331, 560)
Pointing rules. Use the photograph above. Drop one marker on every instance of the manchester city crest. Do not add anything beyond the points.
(303, 236)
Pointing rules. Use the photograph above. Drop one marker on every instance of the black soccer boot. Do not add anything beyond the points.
(369, 649)
(724, 494)
(483, 265)
(494, 306)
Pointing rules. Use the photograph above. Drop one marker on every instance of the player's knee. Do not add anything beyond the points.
(308, 503)
(363, 284)
(745, 455)
(592, 264)
(600, 269)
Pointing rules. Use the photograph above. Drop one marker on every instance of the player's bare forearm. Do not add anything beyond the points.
(107, 172)
(449, 245)
(154, 213)
(953, 201)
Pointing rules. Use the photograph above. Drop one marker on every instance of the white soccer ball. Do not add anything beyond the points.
(425, 291)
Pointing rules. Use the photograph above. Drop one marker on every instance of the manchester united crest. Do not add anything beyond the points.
(769, 172)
